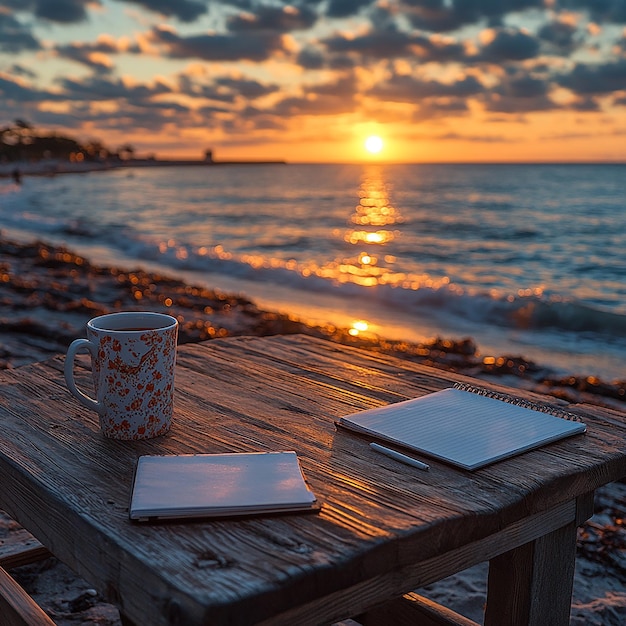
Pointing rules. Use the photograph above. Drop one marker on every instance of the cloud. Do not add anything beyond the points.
(75, 11)
(19, 70)
(311, 58)
(603, 11)
(560, 36)
(14, 36)
(375, 44)
(392, 43)
(60, 11)
(523, 85)
(225, 89)
(585, 104)
(520, 90)
(601, 78)
(474, 138)
(329, 98)
(346, 8)
(184, 10)
(273, 19)
(94, 89)
(217, 47)
(527, 105)
(164, 106)
(137, 119)
(449, 15)
(507, 44)
(249, 89)
(343, 86)
(401, 88)
(154, 117)
(14, 92)
(265, 61)
(188, 86)
(440, 108)
(317, 105)
(516, 92)
(93, 56)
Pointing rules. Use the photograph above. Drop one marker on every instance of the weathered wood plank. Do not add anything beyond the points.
(21, 549)
(543, 574)
(414, 609)
(418, 574)
(17, 608)
(245, 394)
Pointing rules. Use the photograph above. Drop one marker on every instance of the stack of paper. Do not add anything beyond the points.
(216, 485)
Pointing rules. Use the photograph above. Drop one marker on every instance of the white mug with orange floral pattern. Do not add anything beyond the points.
(133, 355)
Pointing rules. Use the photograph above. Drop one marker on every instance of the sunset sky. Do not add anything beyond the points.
(310, 80)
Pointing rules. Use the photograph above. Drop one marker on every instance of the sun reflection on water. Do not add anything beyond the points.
(372, 226)
(375, 222)
(373, 212)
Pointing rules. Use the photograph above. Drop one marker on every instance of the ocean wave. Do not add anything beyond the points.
(424, 295)
(420, 294)
(570, 316)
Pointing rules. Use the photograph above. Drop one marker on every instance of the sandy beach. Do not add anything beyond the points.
(47, 294)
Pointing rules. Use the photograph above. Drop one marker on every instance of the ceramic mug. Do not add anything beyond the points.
(133, 355)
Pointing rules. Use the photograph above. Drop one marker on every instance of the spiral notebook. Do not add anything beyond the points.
(465, 425)
(217, 485)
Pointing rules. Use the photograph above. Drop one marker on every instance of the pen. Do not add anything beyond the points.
(398, 456)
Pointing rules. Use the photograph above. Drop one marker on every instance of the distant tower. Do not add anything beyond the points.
(208, 156)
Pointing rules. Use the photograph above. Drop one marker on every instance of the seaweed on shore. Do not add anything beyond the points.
(48, 293)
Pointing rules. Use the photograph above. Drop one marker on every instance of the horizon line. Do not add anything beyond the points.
(235, 161)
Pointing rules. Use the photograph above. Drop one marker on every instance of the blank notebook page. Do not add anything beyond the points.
(463, 428)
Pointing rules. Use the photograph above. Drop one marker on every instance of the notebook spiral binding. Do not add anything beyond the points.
(511, 399)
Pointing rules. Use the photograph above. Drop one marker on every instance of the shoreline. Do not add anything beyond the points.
(52, 167)
(48, 293)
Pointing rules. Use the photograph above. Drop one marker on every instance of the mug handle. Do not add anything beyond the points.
(84, 399)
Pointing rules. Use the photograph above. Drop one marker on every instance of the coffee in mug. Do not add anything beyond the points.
(133, 355)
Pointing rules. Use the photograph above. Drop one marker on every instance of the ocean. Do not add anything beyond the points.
(528, 260)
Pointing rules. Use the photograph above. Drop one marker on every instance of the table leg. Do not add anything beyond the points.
(532, 585)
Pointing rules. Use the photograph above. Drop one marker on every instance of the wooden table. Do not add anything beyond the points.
(384, 528)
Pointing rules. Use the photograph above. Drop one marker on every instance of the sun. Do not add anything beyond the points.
(374, 144)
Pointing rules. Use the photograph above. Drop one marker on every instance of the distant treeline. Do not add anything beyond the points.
(21, 142)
